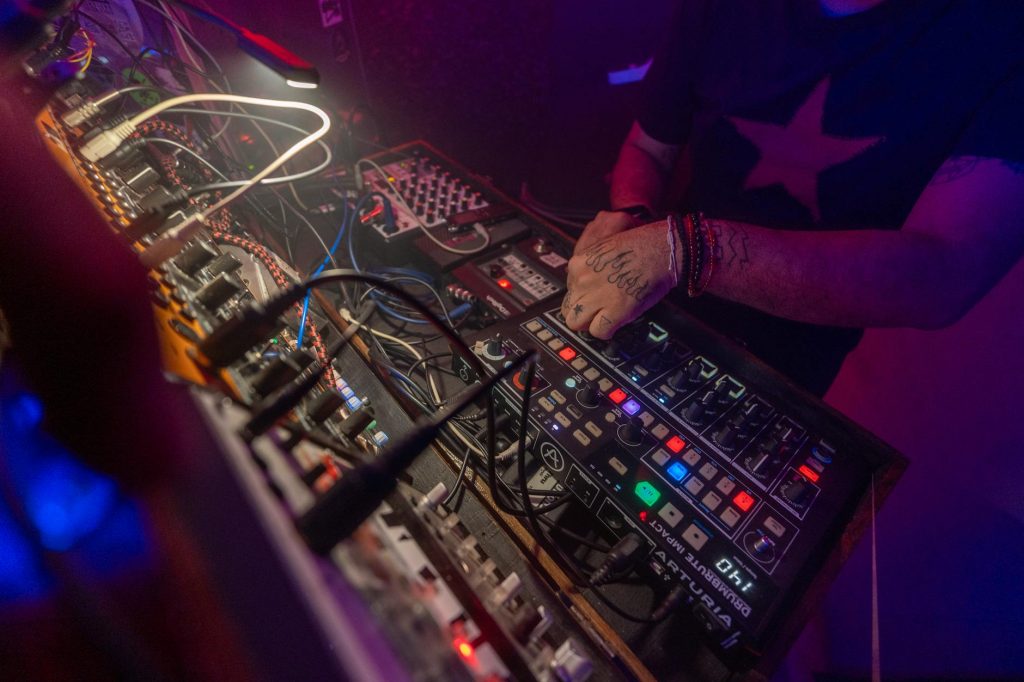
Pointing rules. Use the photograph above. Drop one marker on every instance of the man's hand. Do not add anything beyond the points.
(604, 225)
(614, 280)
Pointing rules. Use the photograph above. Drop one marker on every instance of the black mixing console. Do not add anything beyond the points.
(741, 484)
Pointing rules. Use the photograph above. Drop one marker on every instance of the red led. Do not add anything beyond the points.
(675, 444)
(809, 473)
(744, 501)
(504, 283)
(617, 396)
(643, 515)
(567, 354)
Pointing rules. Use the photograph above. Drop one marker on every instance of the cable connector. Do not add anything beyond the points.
(104, 143)
(83, 113)
(624, 555)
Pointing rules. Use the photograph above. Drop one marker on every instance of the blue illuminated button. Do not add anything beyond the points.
(570, 382)
(677, 471)
(631, 407)
(647, 493)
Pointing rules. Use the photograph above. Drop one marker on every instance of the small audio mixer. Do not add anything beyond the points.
(740, 483)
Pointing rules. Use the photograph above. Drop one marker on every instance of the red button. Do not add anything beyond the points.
(617, 396)
(809, 473)
(567, 354)
(744, 501)
(675, 444)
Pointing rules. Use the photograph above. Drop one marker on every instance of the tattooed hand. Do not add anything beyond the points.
(604, 225)
(613, 281)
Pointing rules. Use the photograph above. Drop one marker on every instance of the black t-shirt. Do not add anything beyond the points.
(793, 119)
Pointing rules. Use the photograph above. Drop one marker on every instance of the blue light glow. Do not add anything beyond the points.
(677, 471)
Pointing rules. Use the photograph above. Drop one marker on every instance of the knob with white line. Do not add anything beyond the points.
(588, 395)
(632, 432)
(494, 349)
(798, 492)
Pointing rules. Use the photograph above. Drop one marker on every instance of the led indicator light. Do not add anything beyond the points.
(504, 283)
(744, 501)
(675, 444)
(567, 354)
(647, 493)
(617, 396)
(677, 471)
(809, 473)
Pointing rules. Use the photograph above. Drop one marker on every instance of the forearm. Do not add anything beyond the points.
(868, 278)
(642, 171)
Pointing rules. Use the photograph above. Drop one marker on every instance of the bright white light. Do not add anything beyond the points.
(301, 84)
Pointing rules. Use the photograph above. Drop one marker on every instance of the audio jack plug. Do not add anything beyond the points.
(623, 556)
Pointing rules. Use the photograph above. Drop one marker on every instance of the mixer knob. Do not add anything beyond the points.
(632, 432)
(588, 396)
(613, 350)
(763, 544)
(494, 349)
(694, 411)
(661, 358)
(726, 436)
(542, 246)
(798, 492)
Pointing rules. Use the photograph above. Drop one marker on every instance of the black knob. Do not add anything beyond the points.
(661, 358)
(223, 264)
(613, 350)
(357, 422)
(494, 349)
(194, 258)
(694, 411)
(217, 293)
(632, 432)
(798, 492)
(324, 405)
(588, 396)
(726, 436)
(758, 464)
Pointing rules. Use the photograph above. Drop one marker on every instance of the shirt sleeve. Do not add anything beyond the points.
(667, 104)
(997, 128)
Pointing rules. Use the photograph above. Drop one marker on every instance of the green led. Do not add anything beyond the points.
(647, 493)
(371, 426)
(273, 341)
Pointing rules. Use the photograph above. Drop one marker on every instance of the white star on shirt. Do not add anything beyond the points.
(795, 154)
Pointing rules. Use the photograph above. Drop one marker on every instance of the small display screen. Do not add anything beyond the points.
(741, 579)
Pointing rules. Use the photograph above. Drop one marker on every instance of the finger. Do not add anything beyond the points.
(604, 323)
(580, 312)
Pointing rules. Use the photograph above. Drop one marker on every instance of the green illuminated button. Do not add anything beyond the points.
(647, 493)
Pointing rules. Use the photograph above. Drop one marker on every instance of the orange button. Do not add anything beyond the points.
(809, 473)
(617, 396)
(744, 501)
(675, 444)
(567, 354)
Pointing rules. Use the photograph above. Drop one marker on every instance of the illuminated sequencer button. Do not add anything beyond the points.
(744, 501)
(631, 407)
(647, 493)
(567, 354)
(677, 471)
(617, 396)
(675, 444)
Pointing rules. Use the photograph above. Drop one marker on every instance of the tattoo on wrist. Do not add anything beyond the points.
(730, 243)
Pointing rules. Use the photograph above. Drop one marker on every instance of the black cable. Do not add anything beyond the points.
(458, 479)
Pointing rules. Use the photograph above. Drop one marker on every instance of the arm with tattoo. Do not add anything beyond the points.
(962, 236)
